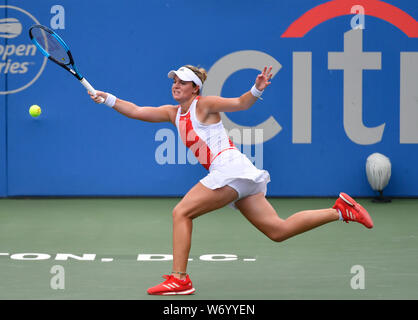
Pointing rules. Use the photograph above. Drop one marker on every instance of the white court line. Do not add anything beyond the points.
(107, 259)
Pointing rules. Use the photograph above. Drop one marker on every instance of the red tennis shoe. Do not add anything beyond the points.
(352, 211)
(172, 286)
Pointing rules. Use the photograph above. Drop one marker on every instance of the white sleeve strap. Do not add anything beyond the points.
(255, 92)
(110, 100)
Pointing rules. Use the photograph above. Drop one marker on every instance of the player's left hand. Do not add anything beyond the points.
(263, 79)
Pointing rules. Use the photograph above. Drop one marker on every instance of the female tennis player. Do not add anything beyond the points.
(232, 178)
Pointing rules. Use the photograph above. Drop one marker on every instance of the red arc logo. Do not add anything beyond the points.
(336, 8)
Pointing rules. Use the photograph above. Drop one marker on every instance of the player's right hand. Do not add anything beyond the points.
(100, 96)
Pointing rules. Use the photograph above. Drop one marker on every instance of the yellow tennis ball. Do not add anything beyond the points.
(35, 111)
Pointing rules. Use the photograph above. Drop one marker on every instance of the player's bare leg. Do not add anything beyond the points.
(199, 200)
(262, 215)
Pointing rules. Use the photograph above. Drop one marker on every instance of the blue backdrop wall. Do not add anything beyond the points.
(345, 86)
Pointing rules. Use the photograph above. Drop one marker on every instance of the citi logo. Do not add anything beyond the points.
(353, 62)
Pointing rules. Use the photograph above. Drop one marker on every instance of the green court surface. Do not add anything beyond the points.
(231, 259)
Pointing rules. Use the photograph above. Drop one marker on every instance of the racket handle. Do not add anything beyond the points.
(90, 88)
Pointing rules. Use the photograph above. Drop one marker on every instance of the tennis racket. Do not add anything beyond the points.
(55, 49)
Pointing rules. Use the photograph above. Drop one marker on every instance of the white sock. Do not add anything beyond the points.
(339, 213)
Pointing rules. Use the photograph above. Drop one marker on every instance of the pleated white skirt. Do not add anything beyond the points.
(234, 169)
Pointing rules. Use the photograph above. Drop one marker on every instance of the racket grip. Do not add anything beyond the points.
(90, 88)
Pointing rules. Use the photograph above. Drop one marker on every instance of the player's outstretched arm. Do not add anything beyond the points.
(215, 104)
(165, 113)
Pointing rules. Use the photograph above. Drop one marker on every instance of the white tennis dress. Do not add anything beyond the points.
(216, 152)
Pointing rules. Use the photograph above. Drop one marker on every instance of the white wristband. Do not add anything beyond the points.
(110, 100)
(255, 92)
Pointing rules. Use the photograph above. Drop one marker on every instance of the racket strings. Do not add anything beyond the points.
(51, 45)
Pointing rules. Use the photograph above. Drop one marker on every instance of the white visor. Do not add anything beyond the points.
(186, 74)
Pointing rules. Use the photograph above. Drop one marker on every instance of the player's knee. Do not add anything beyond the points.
(176, 213)
(180, 213)
(277, 236)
